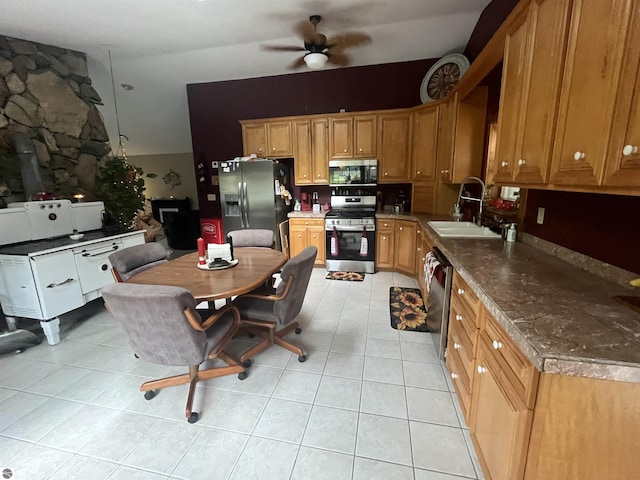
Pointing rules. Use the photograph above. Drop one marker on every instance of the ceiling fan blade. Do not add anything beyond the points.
(339, 58)
(296, 64)
(305, 30)
(348, 40)
(281, 48)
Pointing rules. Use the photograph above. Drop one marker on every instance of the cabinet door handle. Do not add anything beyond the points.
(385, 174)
(384, 238)
(629, 150)
(497, 345)
(299, 235)
(454, 375)
(313, 236)
(345, 150)
(504, 164)
(318, 175)
(304, 176)
(458, 317)
(418, 172)
(306, 223)
(481, 369)
(456, 345)
(360, 150)
(54, 285)
(578, 156)
(521, 162)
(461, 291)
(273, 149)
(401, 228)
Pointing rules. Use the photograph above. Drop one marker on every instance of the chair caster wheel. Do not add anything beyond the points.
(298, 330)
(149, 394)
(302, 358)
(247, 363)
(193, 418)
(242, 375)
(250, 335)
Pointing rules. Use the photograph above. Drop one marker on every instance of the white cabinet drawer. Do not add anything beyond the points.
(93, 266)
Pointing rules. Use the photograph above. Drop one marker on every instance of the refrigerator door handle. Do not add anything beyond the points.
(246, 204)
(241, 204)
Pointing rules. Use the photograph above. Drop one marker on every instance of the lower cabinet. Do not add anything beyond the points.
(306, 232)
(385, 243)
(405, 249)
(396, 245)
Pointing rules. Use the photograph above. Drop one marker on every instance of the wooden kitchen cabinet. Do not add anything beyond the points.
(461, 126)
(305, 232)
(529, 94)
(254, 139)
(424, 143)
(385, 243)
(394, 147)
(267, 138)
(405, 246)
(623, 160)
(353, 136)
(598, 36)
(311, 151)
(501, 420)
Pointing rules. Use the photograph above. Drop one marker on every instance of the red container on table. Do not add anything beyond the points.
(211, 230)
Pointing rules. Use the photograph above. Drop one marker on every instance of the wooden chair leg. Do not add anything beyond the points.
(193, 379)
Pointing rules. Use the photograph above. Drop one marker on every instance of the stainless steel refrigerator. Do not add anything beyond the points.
(250, 195)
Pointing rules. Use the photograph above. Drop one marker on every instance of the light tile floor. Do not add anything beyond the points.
(369, 403)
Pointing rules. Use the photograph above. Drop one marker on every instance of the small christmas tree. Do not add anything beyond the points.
(120, 186)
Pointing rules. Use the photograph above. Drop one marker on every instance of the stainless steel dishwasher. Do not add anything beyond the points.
(438, 307)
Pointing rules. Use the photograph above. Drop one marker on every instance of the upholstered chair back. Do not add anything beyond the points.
(136, 259)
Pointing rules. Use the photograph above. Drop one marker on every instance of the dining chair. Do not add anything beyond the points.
(126, 263)
(163, 327)
(270, 313)
(252, 237)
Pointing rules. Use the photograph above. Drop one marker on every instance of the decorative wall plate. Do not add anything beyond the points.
(442, 77)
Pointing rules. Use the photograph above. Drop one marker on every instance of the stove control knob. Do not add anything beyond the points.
(42, 207)
(50, 206)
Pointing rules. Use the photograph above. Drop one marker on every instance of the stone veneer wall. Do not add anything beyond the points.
(46, 93)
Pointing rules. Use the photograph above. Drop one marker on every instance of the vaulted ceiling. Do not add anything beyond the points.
(159, 46)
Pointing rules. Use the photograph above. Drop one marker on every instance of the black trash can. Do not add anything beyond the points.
(182, 229)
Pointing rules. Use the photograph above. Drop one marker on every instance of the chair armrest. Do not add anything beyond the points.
(195, 322)
(272, 297)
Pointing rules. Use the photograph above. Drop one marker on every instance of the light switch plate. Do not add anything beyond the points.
(540, 219)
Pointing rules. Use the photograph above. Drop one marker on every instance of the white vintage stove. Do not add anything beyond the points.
(43, 271)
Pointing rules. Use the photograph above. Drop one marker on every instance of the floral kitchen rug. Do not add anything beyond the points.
(349, 276)
(408, 310)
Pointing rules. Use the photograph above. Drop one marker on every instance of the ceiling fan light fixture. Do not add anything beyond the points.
(315, 61)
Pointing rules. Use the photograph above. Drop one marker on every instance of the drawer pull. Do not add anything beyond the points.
(454, 375)
(497, 345)
(629, 150)
(481, 369)
(461, 291)
(456, 345)
(458, 317)
(54, 285)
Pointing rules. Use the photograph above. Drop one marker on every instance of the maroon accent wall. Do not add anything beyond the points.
(215, 108)
(490, 19)
(605, 227)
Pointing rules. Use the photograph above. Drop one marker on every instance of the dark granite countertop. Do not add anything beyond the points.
(60, 243)
(561, 314)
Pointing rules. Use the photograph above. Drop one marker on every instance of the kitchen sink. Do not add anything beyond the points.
(462, 230)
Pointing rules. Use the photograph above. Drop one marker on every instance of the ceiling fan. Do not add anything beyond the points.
(320, 50)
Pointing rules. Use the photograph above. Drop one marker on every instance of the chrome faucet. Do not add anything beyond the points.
(458, 206)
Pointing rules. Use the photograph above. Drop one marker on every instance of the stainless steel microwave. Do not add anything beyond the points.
(361, 173)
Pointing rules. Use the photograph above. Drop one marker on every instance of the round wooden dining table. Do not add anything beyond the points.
(255, 266)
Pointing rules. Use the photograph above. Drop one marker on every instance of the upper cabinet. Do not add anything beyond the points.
(425, 141)
(461, 135)
(599, 34)
(529, 94)
(394, 147)
(267, 138)
(623, 166)
(311, 151)
(353, 136)
(254, 139)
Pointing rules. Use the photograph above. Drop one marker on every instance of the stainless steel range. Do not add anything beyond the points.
(350, 228)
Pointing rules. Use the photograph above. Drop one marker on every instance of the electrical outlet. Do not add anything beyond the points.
(540, 219)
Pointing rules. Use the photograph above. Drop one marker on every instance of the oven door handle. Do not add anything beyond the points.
(87, 254)
(349, 228)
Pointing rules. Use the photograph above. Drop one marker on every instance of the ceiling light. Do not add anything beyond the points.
(315, 61)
